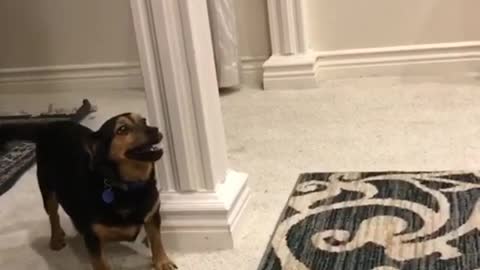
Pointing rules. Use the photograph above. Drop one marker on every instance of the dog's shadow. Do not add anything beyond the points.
(121, 256)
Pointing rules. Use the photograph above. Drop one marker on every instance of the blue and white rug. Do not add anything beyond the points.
(381, 221)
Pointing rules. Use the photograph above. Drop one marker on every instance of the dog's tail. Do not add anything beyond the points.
(31, 131)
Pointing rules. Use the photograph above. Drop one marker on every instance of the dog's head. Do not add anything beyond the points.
(127, 141)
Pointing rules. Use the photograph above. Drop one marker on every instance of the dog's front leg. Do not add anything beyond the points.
(159, 256)
(95, 250)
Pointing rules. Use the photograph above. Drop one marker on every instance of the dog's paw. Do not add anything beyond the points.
(57, 242)
(165, 265)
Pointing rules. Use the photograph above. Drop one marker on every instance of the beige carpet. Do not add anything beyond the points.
(348, 125)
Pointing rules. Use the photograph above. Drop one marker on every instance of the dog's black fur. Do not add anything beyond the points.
(76, 166)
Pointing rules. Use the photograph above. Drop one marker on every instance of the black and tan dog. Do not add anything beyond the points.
(104, 181)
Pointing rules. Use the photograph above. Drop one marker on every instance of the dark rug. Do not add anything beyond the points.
(386, 220)
(16, 157)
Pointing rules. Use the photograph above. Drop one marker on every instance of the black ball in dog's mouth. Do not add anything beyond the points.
(146, 152)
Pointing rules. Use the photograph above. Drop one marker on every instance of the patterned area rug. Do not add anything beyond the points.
(16, 157)
(381, 221)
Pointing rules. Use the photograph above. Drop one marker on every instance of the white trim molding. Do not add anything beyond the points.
(290, 72)
(251, 70)
(205, 220)
(72, 77)
(291, 65)
(202, 199)
(425, 59)
(306, 70)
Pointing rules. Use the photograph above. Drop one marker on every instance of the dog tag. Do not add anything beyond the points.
(108, 196)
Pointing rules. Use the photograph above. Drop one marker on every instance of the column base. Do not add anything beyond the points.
(200, 221)
(296, 71)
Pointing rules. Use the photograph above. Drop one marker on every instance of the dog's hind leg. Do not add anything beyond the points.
(50, 203)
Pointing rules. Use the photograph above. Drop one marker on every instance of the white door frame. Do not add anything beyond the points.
(202, 200)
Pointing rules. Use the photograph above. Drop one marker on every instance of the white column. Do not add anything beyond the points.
(291, 65)
(202, 199)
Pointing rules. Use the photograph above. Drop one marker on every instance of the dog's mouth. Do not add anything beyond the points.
(146, 152)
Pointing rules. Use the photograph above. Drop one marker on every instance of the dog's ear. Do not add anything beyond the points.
(95, 150)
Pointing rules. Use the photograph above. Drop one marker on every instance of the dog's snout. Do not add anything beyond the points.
(154, 133)
(152, 130)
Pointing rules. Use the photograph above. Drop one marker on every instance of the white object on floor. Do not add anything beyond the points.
(223, 26)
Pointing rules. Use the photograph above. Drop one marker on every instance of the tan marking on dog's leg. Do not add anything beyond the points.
(153, 211)
(99, 262)
(95, 250)
(57, 237)
(159, 256)
(110, 233)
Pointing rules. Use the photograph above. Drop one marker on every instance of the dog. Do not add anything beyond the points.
(104, 180)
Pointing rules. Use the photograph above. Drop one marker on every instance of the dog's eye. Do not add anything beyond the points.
(144, 121)
(122, 130)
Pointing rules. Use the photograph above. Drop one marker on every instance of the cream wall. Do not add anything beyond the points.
(95, 38)
(64, 32)
(253, 29)
(347, 24)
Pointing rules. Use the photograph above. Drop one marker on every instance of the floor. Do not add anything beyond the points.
(345, 125)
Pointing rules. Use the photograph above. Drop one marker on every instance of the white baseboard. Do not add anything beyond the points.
(290, 72)
(72, 77)
(204, 221)
(425, 59)
(101, 76)
(297, 71)
(251, 72)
